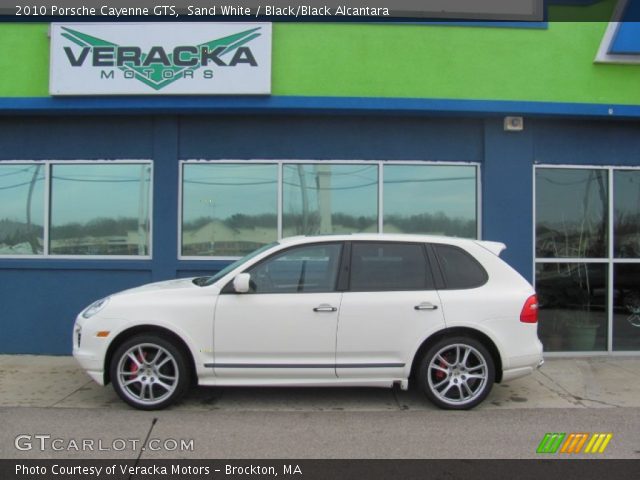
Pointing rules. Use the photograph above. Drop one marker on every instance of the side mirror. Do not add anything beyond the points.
(241, 283)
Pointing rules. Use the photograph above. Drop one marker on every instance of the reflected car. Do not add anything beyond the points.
(371, 310)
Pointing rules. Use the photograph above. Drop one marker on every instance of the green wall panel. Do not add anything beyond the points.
(411, 61)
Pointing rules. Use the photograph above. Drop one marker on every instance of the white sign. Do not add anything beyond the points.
(160, 59)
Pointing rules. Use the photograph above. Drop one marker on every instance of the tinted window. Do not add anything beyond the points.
(460, 270)
(312, 268)
(388, 266)
(571, 213)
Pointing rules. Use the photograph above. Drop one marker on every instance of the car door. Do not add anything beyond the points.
(390, 305)
(285, 326)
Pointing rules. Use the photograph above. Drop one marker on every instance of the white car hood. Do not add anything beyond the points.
(176, 284)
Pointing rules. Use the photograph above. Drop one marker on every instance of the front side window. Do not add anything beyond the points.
(389, 267)
(100, 209)
(307, 269)
(22, 209)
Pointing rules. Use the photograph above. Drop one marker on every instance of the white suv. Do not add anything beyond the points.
(347, 310)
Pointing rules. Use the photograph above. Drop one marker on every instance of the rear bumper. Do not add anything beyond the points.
(526, 366)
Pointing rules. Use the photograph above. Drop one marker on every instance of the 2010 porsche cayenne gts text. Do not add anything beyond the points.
(349, 310)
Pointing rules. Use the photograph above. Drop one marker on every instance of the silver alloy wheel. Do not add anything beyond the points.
(147, 374)
(457, 374)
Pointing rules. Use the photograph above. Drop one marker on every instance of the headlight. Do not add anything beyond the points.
(95, 307)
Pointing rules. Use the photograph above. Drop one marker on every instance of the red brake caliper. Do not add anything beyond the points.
(439, 373)
(134, 367)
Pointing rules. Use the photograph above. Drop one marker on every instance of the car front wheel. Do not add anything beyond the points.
(149, 372)
(457, 373)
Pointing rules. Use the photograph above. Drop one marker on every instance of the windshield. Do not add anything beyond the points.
(203, 282)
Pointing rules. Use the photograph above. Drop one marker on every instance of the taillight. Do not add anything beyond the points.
(529, 312)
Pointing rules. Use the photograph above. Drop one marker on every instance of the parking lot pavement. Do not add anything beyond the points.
(597, 382)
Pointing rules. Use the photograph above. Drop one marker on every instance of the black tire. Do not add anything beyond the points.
(450, 384)
(145, 380)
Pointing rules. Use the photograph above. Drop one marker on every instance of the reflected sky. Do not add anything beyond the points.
(416, 189)
(222, 190)
(80, 193)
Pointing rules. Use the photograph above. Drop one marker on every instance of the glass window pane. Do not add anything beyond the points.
(308, 269)
(228, 209)
(626, 307)
(460, 270)
(571, 213)
(627, 213)
(324, 199)
(100, 209)
(386, 266)
(573, 306)
(430, 199)
(21, 209)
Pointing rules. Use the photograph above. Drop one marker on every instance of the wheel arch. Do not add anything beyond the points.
(148, 329)
(459, 331)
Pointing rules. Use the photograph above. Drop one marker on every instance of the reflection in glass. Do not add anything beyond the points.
(21, 209)
(326, 198)
(573, 306)
(100, 209)
(304, 269)
(430, 199)
(626, 307)
(626, 216)
(228, 209)
(571, 213)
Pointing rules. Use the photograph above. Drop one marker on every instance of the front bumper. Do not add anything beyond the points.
(89, 350)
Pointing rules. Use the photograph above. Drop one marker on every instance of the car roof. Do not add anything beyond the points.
(494, 247)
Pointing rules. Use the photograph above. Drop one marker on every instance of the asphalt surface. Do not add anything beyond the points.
(48, 407)
(335, 434)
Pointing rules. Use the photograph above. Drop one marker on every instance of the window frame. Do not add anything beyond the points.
(610, 260)
(280, 164)
(48, 166)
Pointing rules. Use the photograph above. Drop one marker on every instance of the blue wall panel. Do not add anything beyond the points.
(507, 193)
(76, 138)
(39, 306)
(39, 298)
(587, 143)
(354, 138)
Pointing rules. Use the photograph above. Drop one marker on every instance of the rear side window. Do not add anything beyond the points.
(459, 269)
(379, 267)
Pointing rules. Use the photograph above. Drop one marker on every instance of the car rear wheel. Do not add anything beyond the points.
(457, 373)
(149, 372)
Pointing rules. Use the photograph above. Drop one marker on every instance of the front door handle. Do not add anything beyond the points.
(325, 308)
(426, 306)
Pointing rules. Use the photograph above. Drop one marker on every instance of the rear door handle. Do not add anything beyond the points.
(426, 306)
(325, 308)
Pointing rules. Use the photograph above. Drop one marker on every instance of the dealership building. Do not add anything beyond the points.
(133, 153)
